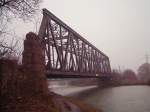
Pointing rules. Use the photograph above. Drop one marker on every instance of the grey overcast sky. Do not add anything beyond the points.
(119, 28)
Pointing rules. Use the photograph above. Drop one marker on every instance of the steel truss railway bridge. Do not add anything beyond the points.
(67, 53)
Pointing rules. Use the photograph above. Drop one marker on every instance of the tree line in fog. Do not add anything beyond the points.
(129, 77)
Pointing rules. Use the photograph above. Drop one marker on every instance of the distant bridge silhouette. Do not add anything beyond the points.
(67, 53)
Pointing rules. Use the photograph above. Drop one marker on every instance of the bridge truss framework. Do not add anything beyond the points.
(67, 53)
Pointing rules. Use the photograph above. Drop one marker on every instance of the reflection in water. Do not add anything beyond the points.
(120, 99)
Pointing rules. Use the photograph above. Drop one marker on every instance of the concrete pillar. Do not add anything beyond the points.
(33, 63)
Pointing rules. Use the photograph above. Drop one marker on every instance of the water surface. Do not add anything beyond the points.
(115, 99)
(119, 99)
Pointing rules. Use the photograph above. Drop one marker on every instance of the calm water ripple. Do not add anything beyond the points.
(120, 99)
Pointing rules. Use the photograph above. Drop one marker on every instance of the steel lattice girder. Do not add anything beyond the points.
(67, 51)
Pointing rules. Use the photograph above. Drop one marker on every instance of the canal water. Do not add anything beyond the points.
(115, 99)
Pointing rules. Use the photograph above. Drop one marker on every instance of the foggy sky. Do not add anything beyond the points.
(119, 28)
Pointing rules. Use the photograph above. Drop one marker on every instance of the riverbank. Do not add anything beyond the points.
(44, 103)
(70, 104)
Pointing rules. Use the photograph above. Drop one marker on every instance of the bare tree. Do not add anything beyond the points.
(11, 50)
(36, 20)
(144, 72)
(9, 9)
(129, 77)
(116, 77)
(23, 9)
(20, 8)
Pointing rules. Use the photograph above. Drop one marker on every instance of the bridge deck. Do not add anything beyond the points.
(57, 74)
(74, 76)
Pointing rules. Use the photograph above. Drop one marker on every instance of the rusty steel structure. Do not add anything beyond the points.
(68, 54)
